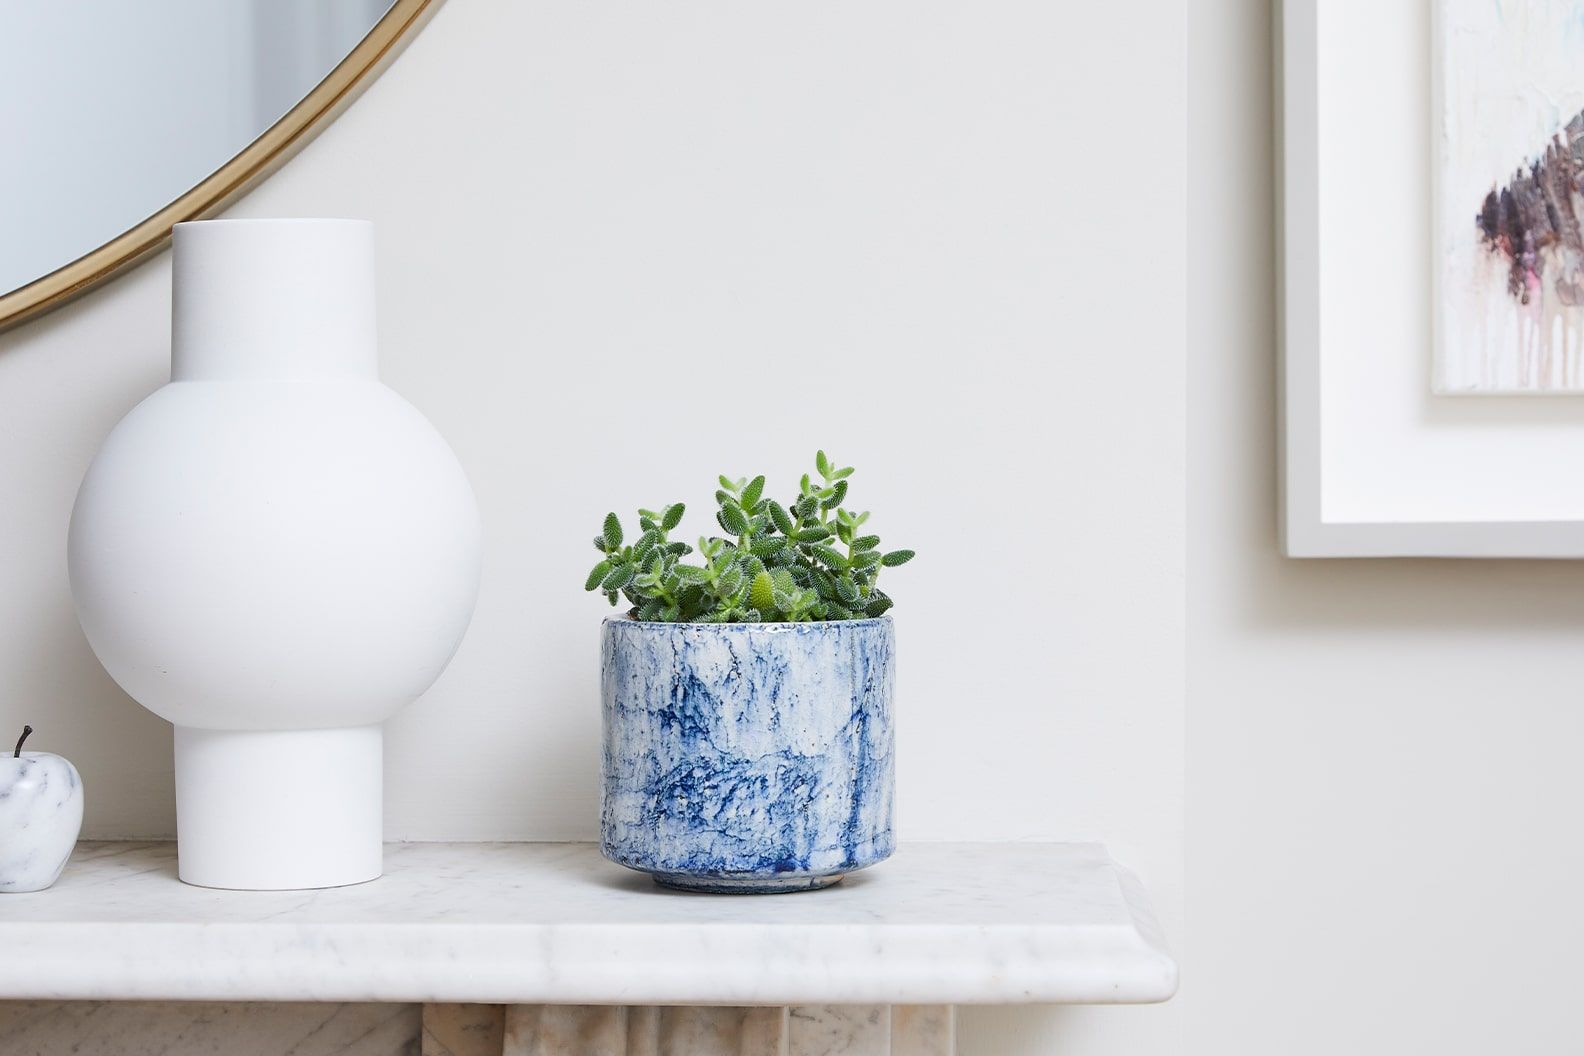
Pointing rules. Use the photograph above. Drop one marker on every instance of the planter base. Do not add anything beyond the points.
(745, 885)
(279, 810)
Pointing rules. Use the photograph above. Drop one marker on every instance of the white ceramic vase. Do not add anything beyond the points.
(276, 553)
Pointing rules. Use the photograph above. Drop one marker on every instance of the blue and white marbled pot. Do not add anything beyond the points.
(747, 757)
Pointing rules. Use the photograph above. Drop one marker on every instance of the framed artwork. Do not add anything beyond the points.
(1432, 285)
(1508, 111)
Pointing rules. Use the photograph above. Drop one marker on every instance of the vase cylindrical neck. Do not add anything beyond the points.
(280, 300)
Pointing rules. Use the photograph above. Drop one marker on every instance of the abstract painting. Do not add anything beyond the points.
(1509, 196)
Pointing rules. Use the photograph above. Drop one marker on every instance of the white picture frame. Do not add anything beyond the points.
(1325, 512)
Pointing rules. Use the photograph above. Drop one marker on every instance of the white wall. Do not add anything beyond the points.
(1384, 780)
(626, 248)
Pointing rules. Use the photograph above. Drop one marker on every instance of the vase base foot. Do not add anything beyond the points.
(278, 810)
(296, 885)
(745, 885)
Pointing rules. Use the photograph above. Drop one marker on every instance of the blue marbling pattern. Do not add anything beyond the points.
(747, 757)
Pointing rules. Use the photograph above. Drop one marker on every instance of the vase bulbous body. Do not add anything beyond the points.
(275, 553)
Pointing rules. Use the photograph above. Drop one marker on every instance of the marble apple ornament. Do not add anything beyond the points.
(41, 809)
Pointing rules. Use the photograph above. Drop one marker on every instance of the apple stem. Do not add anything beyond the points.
(26, 730)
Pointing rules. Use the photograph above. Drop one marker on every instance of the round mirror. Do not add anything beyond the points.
(123, 119)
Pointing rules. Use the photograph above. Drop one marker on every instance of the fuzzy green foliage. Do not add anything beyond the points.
(805, 560)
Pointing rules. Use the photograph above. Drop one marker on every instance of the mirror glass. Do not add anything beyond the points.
(112, 109)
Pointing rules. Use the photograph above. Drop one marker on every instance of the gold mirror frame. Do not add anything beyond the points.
(236, 177)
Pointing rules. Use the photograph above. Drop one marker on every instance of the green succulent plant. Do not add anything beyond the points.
(804, 560)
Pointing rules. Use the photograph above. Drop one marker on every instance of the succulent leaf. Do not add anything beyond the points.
(831, 557)
(733, 519)
(766, 545)
(781, 518)
(782, 581)
(619, 577)
(761, 595)
(751, 494)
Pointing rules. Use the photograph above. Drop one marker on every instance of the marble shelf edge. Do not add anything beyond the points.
(670, 963)
(295, 976)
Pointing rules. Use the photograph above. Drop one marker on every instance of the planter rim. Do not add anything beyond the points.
(766, 627)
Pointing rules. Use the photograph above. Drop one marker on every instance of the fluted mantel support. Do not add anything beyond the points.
(202, 1028)
(688, 1030)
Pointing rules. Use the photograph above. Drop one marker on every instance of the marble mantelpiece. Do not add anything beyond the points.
(555, 924)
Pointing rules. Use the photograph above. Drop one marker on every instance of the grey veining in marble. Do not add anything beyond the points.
(839, 1030)
(807, 1030)
(463, 1030)
(556, 923)
(694, 1031)
(561, 1030)
(41, 810)
(83, 1028)
(923, 1030)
